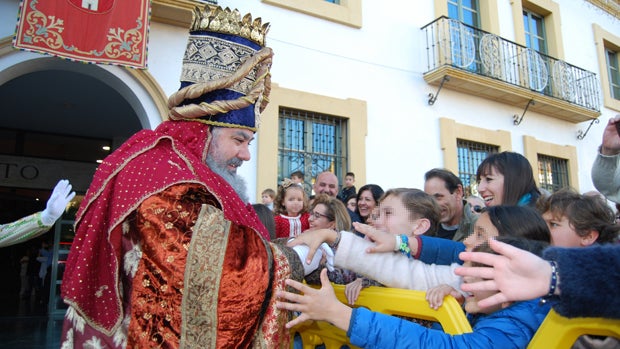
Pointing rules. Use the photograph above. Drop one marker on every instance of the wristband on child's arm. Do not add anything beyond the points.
(402, 245)
(553, 283)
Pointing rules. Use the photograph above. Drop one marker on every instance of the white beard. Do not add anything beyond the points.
(235, 181)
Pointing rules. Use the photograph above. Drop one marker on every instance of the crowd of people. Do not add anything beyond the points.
(180, 258)
(483, 257)
(428, 240)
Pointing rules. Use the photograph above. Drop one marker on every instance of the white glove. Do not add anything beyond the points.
(302, 252)
(324, 250)
(57, 202)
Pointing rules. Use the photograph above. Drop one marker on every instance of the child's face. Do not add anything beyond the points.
(471, 301)
(562, 234)
(293, 200)
(394, 217)
(349, 181)
(267, 199)
(352, 204)
(297, 180)
(483, 230)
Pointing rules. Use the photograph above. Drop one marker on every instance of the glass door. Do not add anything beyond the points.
(63, 238)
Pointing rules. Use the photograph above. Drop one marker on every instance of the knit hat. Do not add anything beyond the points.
(225, 78)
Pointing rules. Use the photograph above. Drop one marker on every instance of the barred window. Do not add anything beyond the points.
(312, 143)
(470, 155)
(552, 173)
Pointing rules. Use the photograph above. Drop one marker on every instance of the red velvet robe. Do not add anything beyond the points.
(167, 255)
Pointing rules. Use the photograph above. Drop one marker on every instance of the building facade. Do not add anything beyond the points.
(384, 89)
(391, 90)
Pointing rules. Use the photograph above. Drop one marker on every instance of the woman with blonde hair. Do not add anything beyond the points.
(328, 212)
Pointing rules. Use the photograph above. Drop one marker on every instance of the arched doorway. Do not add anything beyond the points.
(56, 117)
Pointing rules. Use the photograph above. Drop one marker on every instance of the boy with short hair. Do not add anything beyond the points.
(267, 197)
(298, 177)
(348, 188)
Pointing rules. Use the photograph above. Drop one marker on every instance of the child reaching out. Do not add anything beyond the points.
(398, 268)
(573, 219)
(436, 295)
(291, 210)
(405, 211)
(509, 325)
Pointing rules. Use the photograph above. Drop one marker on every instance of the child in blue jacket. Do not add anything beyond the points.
(508, 325)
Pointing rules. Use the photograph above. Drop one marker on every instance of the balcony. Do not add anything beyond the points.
(472, 61)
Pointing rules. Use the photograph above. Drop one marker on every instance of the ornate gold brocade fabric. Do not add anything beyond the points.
(163, 224)
(202, 281)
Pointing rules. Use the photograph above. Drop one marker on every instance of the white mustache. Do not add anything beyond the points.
(235, 162)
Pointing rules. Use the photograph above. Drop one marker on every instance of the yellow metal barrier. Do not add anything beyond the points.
(388, 301)
(557, 331)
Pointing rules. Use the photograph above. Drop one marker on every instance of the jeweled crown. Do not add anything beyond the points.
(227, 21)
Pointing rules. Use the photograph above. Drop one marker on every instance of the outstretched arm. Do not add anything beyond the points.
(428, 249)
(611, 137)
(315, 304)
(38, 223)
(313, 239)
(585, 288)
(507, 273)
(383, 241)
(605, 169)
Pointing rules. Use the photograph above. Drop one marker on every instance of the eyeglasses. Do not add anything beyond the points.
(318, 215)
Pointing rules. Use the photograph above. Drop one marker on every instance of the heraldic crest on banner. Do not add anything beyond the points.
(93, 31)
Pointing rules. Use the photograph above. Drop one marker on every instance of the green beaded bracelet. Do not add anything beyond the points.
(404, 246)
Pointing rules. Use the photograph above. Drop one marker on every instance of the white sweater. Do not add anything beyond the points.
(392, 269)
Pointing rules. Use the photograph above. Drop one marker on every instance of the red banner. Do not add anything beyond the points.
(94, 31)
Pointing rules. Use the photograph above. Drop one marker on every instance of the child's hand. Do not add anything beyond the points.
(384, 242)
(352, 290)
(314, 304)
(435, 295)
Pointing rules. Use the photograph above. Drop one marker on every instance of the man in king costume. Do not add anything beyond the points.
(167, 251)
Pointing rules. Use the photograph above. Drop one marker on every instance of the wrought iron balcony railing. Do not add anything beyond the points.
(455, 44)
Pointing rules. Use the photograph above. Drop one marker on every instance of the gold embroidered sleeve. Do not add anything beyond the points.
(22, 230)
